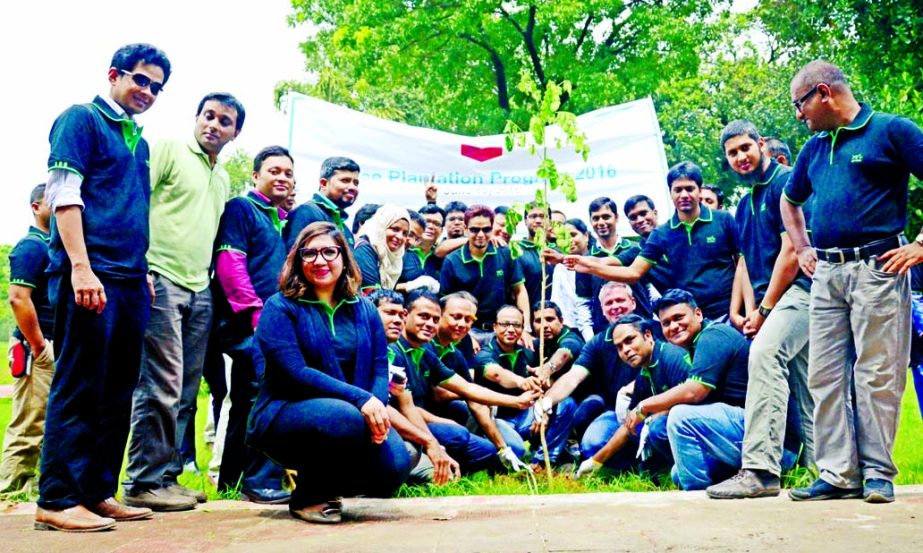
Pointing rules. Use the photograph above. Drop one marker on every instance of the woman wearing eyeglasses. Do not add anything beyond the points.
(321, 406)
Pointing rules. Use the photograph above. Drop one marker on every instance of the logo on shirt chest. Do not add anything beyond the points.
(856, 158)
(499, 272)
(710, 240)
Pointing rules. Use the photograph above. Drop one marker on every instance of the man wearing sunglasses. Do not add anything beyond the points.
(856, 172)
(486, 271)
(189, 188)
(99, 189)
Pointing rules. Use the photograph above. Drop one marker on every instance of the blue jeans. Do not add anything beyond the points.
(588, 410)
(603, 428)
(164, 400)
(98, 357)
(707, 443)
(512, 437)
(556, 433)
(330, 445)
(472, 452)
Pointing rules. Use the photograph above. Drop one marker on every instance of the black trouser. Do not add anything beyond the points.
(239, 460)
(98, 357)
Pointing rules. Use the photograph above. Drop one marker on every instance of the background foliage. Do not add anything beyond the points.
(454, 64)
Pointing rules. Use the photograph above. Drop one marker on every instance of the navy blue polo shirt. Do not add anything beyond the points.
(719, 361)
(453, 358)
(760, 229)
(424, 369)
(588, 286)
(107, 151)
(568, 339)
(28, 261)
(531, 266)
(517, 362)
(367, 260)
(669, 367)
(320, 208)
(701, 256)
(251, 225)
(418, 263)
(858, 176)
(490, 279)
(608, 372)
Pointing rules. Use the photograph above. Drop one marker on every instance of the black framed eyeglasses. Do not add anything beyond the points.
(144, 82)
(514, 326)
(329, 253)
(807, 95)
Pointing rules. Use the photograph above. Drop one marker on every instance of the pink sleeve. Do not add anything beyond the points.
(235, 281)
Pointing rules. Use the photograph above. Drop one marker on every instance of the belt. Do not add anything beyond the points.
(862, 253)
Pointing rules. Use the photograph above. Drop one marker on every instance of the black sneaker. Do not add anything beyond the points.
(822, 490)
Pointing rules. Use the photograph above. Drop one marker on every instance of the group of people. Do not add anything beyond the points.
(417, 345)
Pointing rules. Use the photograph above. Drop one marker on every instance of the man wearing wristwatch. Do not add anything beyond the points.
(776, 318)
(562, 344)
(856, 170)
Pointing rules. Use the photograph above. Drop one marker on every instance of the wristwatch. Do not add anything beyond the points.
(919, 239)
(764, 311)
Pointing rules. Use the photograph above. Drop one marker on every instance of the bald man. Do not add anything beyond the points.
(856, 171)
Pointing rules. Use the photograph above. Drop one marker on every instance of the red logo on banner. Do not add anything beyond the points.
(481, 154)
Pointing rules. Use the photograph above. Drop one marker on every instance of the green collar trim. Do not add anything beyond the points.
(705, 216)
(415, 354)
(271, 211)
(705, 324)
(598, 251)
(131, 131)
(333, 209)
(40, 234)
(422, 255)
(773, 170)
(655, 360)
(861, 120)
(330, 311)
(491, 250)
(443, 350)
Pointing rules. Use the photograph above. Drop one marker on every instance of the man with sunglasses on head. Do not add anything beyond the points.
(486, 271)
(189, 188)
(338, 190)
(249, 257)
(99, 191)
(856, 171)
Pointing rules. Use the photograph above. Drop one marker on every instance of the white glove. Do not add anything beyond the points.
(542, 408)
(588, 467)
(509, 460)
(424, 281)
(622, 401)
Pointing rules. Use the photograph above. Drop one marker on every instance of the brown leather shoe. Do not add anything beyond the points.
(74, 519)
(121, 513)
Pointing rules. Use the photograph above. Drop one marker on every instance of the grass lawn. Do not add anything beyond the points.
(908, 453)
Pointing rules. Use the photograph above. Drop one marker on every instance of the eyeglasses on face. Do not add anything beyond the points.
(329, 253)
(479, 230)
(144, 82)
(807, 96)
(514, 326)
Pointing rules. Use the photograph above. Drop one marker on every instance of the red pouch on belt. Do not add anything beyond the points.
(20, 358)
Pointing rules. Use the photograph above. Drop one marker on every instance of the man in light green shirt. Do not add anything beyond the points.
(189, 189)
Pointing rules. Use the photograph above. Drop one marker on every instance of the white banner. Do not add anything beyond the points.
(626, 158)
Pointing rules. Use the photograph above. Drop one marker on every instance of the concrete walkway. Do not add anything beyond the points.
(653, 521)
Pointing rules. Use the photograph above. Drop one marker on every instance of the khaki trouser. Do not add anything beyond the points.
(860, 320)
(778, 368)
(22, 443)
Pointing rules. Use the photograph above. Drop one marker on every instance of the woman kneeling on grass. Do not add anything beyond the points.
(321, 406)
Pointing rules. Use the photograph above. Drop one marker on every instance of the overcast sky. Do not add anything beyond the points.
(56, 53)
